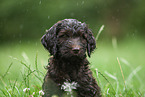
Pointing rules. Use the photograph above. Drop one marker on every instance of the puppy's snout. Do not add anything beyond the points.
(76, 46)
(76, 50)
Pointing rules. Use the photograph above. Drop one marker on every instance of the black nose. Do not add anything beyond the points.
(76, 50)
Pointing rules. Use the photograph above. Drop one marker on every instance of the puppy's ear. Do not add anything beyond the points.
(91, 43)
(49, 40)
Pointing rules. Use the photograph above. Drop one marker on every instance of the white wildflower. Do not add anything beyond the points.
(33, 93)
(26, 89)
(68, 87)
(41, 92)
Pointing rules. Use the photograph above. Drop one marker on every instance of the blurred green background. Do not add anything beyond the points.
(28, 19)
(23, 22)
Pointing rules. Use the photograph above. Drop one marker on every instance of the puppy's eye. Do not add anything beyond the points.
(63, 36)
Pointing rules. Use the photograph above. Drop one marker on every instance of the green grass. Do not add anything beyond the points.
(22, 66)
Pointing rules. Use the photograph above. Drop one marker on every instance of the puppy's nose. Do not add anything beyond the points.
(76, 50)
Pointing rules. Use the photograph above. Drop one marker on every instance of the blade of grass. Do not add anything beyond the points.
(3, 92)
(28, 85)
(121, 71)
(133, 73)
(17, 90)
(108, 91)
(26, 57)
(106, 80)
(10, 83)
(115, 78)
(41, 73)
(25, 66)
(7, 70)
(130, 66)
(24, 78)
(36, 64)
(3, 81)
(30, 70)
(14, 86)
(28, 78)
(8, 92)
(100, 30)
(99, 82)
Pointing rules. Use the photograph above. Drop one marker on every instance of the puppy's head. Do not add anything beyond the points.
(69, 37)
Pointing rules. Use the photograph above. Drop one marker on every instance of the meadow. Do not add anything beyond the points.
(118, 66)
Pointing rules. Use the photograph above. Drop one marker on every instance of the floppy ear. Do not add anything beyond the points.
(91, 43)
(49, 40)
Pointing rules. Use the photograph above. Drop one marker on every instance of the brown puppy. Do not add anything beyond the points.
(68, 41)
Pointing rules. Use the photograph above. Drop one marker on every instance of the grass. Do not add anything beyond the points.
(118, 68)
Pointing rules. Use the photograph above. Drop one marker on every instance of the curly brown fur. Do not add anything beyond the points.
(68, 41)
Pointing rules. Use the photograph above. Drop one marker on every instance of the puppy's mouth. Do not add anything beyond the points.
(70, 54)
(76, 55)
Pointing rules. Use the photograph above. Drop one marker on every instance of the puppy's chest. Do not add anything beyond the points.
(70, 75)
